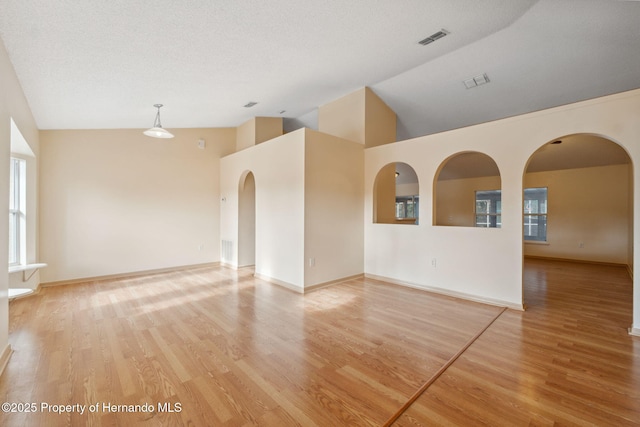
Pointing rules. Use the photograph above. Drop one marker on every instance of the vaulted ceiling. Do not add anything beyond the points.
(103, 64)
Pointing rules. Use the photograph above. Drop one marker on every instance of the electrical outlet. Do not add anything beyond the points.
(312, 262)
(581, 245)
(433, 262)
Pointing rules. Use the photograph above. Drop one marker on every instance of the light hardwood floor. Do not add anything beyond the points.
(221, 348)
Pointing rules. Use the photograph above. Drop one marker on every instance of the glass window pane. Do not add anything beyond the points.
(488, 206)
(482, 221)
(535, 227)
(482, 206)
(535, 203)
(13, 238)
(16, 217)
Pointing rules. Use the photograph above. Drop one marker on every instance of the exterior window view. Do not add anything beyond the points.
(535, 214)
(488, 209)
(407, 207)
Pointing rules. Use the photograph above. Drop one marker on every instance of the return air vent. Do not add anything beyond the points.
(433, 37)
(226, 251)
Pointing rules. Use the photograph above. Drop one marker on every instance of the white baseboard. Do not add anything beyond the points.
(634, 331)
(4, 358)
(282, 283)
(447, 292)
(130, 274)
(306, 289)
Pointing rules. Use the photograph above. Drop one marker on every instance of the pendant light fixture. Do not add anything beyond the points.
(157, 131)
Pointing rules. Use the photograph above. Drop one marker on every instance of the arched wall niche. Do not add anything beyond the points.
(246, 219)
(588, 180)
(396, 195)
(467, 191)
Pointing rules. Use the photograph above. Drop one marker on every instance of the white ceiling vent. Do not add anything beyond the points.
(250, 104)
(476, 81)
(433, 37)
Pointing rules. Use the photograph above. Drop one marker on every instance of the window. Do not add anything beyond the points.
(16, 210)
(535, 214)
(489, 209)
(407, 207)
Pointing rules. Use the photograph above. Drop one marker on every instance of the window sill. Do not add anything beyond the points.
(19, 292)
(26, 267)
(535, 242)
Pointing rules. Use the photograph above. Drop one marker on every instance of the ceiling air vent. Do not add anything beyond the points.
(476, 81)
(250, 104)
(433, 37)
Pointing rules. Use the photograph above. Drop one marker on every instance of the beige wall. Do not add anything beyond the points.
(247, 221)
(13, 105)
(380, 121)
(308, 205)
(333, 203)
(360, 116)
(477, 263)
(278, 168)
(588, 206)
(117, 201)
(344, 117)
(384, 211)
(245, 136)
(455, 199)
(268, 128)
(257, 130)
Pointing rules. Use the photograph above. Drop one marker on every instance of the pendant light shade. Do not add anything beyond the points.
(157, 131)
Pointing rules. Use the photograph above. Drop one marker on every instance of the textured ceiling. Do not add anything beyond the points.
(103, 64)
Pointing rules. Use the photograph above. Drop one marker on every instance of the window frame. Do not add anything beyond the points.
(493, 199)
(17, 214)
(414, 201)
(542, 214)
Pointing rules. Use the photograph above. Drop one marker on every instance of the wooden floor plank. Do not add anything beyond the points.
(567, 360)
(232, 350)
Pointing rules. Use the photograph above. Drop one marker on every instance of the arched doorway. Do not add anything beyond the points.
(247, 220)
(578, 203)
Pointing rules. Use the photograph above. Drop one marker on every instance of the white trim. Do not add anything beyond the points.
(26, 267)
(19, 293)
(454, 294)
(4, 358)
(634, 331)
(287, 285)
(332, 282)
(130, 274)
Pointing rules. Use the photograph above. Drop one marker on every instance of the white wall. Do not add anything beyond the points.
(308, 204)
(334, 233)
(117, 201)
(278, 169)
(13, 105)
(486, 263)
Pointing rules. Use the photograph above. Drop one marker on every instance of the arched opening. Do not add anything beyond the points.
(396, 195)
(578, 204)
(247, 220)
(467, 192)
